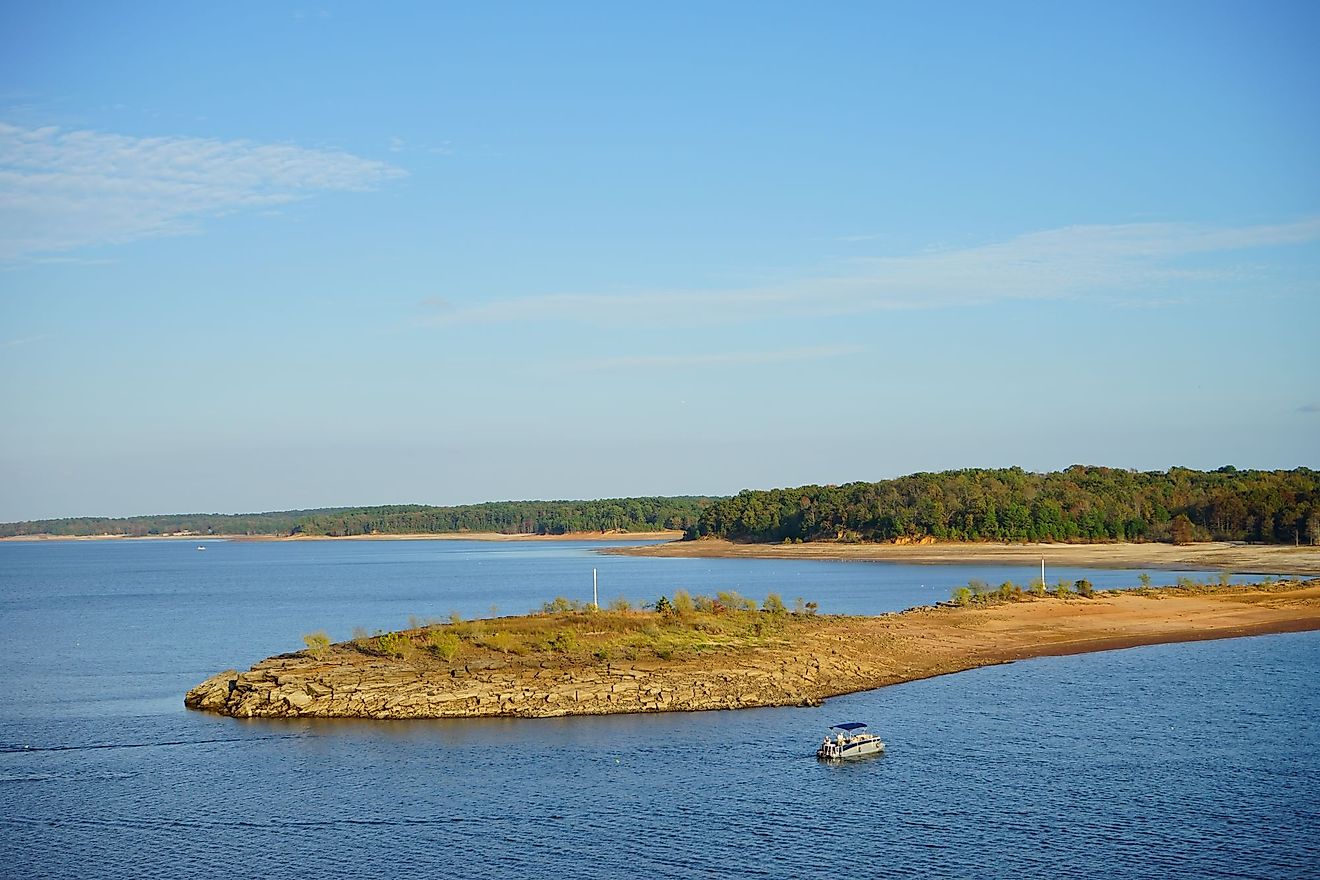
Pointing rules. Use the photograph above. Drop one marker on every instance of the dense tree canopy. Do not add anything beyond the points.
(1081, 503)
(514, 517)
(507, 517)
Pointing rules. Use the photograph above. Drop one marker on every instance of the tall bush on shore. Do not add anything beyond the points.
(318, 643)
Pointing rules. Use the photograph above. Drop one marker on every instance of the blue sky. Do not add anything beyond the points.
(265, 256)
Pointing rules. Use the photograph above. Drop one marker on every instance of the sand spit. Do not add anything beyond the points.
(1208, 556)
(804, 661)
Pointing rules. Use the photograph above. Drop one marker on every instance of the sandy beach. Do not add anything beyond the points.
(1210, 556)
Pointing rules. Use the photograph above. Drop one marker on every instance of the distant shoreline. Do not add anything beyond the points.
(1207, 556)
(418, 536)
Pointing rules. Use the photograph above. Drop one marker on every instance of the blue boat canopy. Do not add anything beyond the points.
(851, 725)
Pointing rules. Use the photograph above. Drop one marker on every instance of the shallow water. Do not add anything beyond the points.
(1198, 759)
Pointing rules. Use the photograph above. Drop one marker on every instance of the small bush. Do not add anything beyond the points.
(812, 608)
(562, 642)
(318, 643)
(443, 644)
(621, 604)
(392, 644)
(962, 596)
(1145, 579)
(1038, 588)
(561, 605)
(1225, 578)
(682, 602)
(773, 604)
(1062, 590)
(1084, 588)
(733, 600)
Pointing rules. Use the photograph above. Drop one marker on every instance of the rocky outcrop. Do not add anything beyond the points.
(298, 686)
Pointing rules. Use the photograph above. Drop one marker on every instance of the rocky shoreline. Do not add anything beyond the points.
(816, 658)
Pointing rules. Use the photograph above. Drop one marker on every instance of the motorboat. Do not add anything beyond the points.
(849, 740)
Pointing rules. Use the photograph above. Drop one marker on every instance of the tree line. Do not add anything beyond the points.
(514, 517)
(1081, 503)
(505, 517)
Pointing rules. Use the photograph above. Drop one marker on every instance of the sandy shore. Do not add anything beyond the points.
(811, 659)
(1211, 556)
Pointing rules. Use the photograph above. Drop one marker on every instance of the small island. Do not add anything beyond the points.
(687, 653)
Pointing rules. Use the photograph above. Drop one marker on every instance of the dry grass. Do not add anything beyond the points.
(587, 635)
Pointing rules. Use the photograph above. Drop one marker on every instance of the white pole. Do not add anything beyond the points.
(1042, 572)
(595, 602)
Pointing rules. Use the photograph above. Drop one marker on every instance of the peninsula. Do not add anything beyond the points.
(697, 653)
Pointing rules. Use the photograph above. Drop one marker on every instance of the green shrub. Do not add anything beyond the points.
(443, 644)
(621, 604)
(1084, 588)
(392, 644)
(1061, 589)
(561, 605)
(773, 604)
(318, 643)
(734, 601)
(563, 641)
(962, 596)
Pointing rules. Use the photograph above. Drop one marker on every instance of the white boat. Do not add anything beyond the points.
(201, 546)
(851, 741)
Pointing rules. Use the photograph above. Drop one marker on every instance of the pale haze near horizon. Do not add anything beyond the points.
(277, 256)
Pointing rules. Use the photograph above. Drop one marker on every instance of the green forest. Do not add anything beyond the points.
(506, 517)
(1082, 503)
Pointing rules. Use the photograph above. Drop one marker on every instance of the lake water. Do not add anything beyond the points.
(1189, 760)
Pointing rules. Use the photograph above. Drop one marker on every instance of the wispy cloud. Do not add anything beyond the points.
(60, 190)
(23, 340)
(718, 359)
(1309, 408)
(1127, 263)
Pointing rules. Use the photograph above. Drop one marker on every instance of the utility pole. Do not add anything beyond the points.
(595, 602)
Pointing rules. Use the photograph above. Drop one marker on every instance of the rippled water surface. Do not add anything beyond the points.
(1190, 760)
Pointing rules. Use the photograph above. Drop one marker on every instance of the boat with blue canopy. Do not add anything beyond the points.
(851, 741)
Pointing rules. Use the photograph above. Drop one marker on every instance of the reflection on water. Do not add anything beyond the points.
(1197, 759)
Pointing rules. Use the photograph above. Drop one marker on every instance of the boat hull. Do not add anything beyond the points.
(834, 751)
